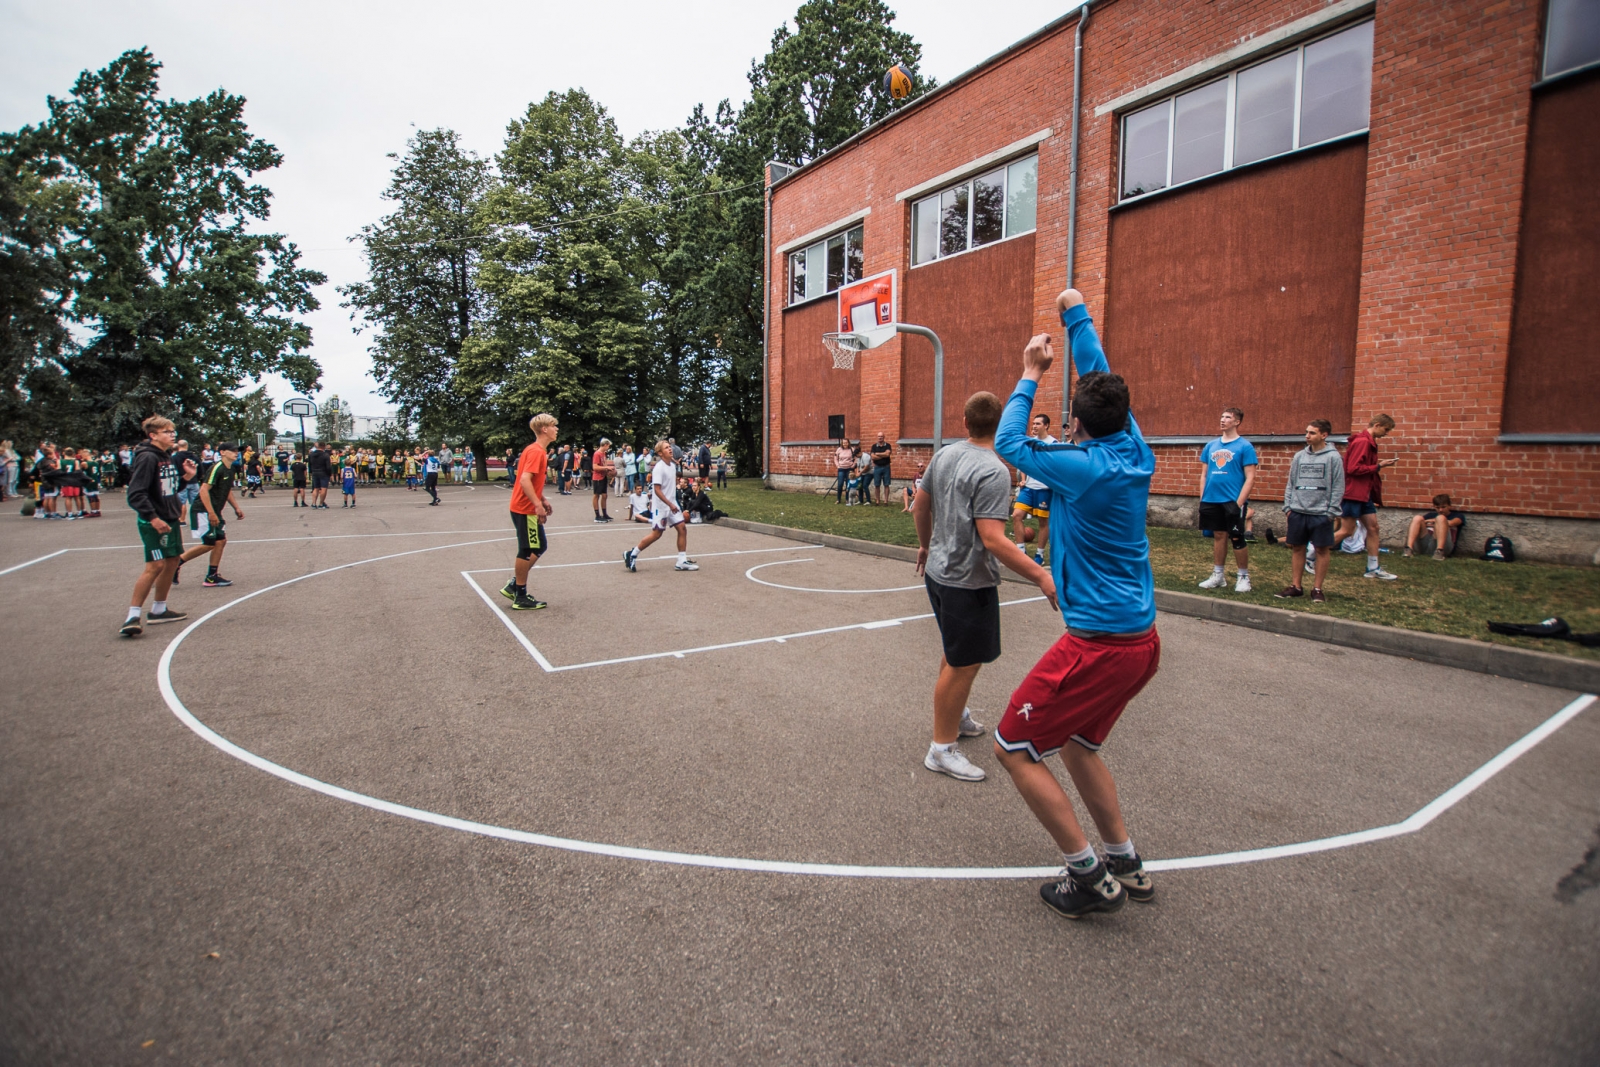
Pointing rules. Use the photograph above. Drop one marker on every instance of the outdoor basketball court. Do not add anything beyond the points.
(682, 817)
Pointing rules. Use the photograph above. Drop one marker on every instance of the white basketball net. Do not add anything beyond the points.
(843, 348)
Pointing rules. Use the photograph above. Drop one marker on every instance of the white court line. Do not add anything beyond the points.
(41, 559)
(555, 531)
(751, 574)
(650, 559)
(1416, 822)
(680, 653)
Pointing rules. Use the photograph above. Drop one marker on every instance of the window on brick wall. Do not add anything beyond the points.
(826, 266)
(1318, 91)
(1571, 36)
(980, 211)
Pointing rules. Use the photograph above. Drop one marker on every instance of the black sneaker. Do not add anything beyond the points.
(215, 581)
(131, 628)
(524, 602)
(509, 590)
(1129, 870)
(166, 616)
(597, 518)
(1077, 895)
(629, 559)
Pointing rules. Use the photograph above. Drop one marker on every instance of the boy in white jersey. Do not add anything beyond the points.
(1033, 498)
(665, 512)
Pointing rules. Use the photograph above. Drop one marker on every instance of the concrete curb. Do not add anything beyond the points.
(1522, 665)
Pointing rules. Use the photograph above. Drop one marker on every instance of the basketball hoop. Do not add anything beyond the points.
(843, 348)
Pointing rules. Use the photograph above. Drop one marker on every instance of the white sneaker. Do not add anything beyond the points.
(950, 761)
(1311, 564)
(1243, 585)
(686, 565)
(1379, 572)
(969, 727)
(1216, 581)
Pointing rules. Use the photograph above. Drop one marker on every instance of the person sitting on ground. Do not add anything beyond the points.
(1444, 523)
(638, 505)
(909, 493)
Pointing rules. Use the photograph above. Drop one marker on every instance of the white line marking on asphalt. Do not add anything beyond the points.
(643, 559)
(538, 657)
(41, 559)
(1420, 819)
(557, 531)
(751, 574)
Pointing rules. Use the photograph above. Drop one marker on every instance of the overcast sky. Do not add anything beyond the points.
(337, 85)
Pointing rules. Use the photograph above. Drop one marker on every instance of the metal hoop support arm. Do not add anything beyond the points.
(938, 378)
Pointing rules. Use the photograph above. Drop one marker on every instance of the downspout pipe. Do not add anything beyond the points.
(1072, 202)
(766, 330)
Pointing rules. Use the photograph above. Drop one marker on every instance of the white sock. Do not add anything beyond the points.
(158, 607)
(1124, 849)
(1372, 563)
(1215, 571)
(1080, 861)
(683, 557)
(1243, 573)
(937, 747)
(133, 613)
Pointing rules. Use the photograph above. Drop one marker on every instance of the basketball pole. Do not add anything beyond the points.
(938, 378)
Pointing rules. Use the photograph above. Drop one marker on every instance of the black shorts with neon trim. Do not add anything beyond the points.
(531, 542)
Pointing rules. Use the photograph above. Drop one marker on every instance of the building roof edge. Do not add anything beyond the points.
(1054, 26)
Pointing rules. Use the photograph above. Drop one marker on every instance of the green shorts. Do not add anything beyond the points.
(160, 546)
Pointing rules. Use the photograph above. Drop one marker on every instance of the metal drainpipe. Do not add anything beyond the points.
(766, 332)
(1072, 206)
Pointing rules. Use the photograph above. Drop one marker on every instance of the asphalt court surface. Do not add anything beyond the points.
(348, 934)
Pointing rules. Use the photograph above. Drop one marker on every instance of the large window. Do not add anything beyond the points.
(980, 211)
(1571, 36)
(826, 266)
(1319, 91)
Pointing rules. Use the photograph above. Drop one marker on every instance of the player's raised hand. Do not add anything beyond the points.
(1038, 356)
(1069, 298)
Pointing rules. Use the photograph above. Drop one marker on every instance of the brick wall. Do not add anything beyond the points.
(1445, 179)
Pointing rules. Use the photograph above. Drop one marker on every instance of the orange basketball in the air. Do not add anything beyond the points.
(897, 82)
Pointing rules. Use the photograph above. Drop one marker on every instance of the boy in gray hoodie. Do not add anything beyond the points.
(1312, 497)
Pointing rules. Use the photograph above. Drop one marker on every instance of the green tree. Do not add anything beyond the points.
(564, 277)
(35, 285)
(421, 297)
(182, 301)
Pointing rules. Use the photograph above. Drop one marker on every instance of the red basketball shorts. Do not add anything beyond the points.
(1076, 692)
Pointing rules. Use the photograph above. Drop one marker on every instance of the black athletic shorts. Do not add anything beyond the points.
(600, 486)
(531, 542)
(319, 481)
(1227, 517)
(1317, 529)
(969, 622)
(214, 532)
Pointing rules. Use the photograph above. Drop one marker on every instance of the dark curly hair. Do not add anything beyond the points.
(1100, 403)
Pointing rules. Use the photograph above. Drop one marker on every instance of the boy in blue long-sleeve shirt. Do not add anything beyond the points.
(1100, 559)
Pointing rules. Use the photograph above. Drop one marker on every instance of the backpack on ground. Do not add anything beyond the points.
(1498, 549)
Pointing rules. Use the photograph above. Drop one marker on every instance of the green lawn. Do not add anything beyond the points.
(1454, 597)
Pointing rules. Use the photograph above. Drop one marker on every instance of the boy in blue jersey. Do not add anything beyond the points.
(1228, 473)
(347, 482)
(1100, 558)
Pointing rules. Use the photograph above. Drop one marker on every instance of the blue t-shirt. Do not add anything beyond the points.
(1225, 463)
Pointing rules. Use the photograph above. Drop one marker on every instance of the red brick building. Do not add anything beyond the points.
(1305, 209)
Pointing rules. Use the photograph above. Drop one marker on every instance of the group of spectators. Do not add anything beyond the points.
(64, 482)
(1328, 500)
(861, 475)
(625, 471)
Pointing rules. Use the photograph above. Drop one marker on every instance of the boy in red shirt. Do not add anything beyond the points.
(528, 503)
(1363, 490)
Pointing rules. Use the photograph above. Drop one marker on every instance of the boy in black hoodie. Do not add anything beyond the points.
(153, 495)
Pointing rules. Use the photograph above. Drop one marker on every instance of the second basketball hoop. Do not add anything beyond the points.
(866, 319)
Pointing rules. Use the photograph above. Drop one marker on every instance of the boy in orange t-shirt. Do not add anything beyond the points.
(528, 502)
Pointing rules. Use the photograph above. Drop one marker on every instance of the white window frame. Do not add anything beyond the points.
(789, 253)
(1003, 167)
(1170, 102)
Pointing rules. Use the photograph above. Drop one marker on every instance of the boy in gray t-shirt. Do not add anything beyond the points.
(961, 514)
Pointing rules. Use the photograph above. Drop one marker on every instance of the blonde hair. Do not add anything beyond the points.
(541, 420)
(663, 443)
(154, 423)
